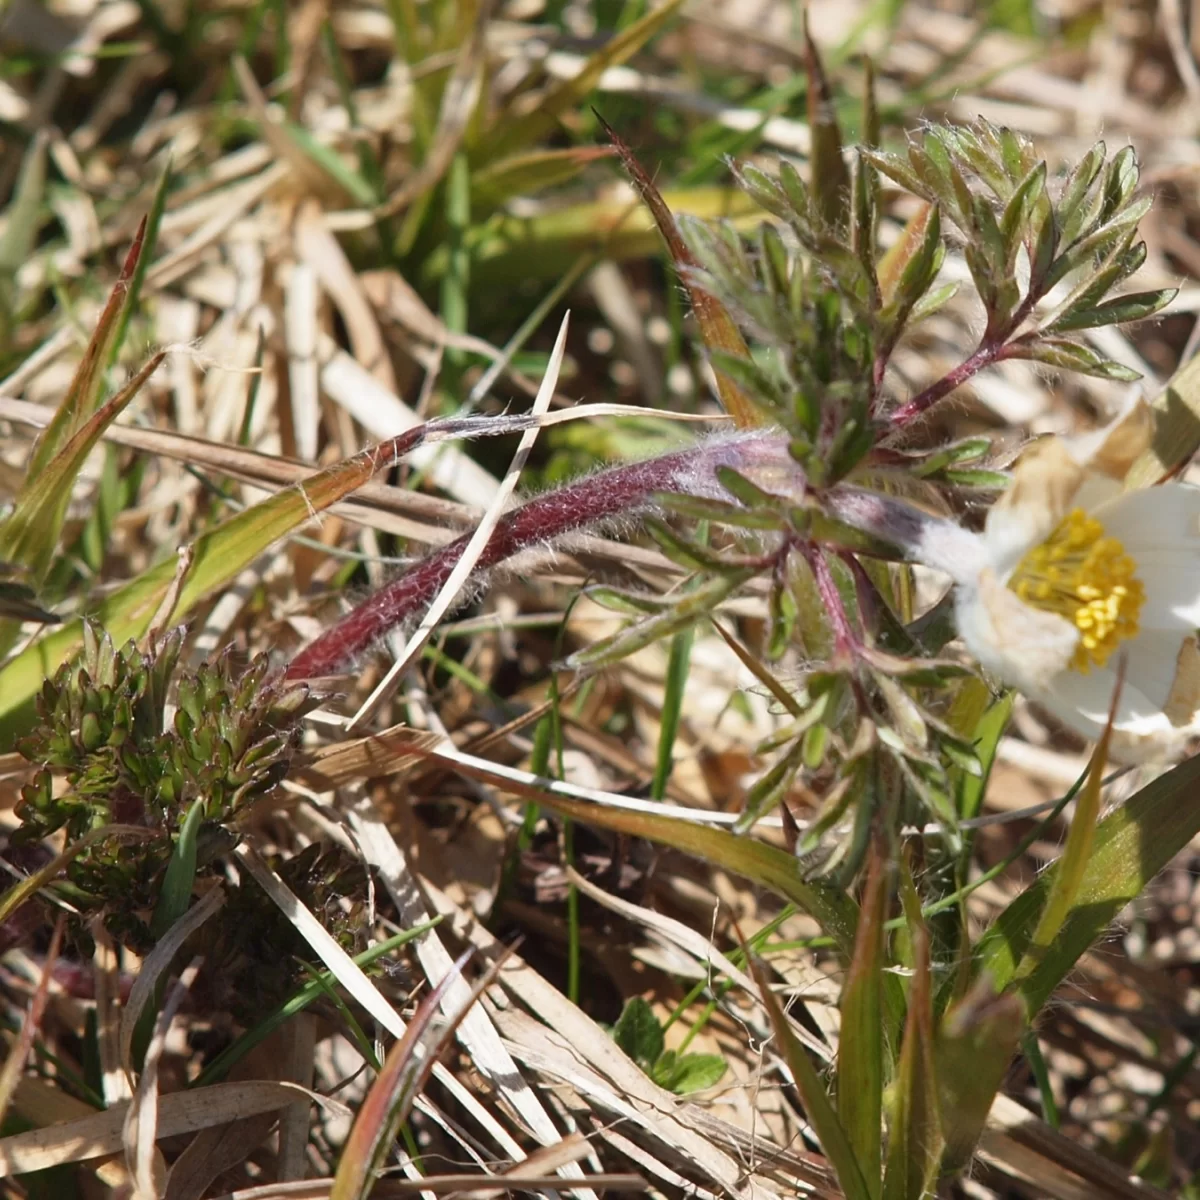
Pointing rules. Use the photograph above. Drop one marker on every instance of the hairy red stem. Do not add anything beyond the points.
(620, 491)
(990, 350)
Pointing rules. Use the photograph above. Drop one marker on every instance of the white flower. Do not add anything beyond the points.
(1073, 574)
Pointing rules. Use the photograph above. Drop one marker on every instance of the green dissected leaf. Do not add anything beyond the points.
(860, 1073)
(908, 270)
(933, 300)
(688, 608)
(771, 787)
(1123, 260)
(1019, 209)
(721, 513)
(1097, 241)
(1073, 202)
(901, 172)
(967, 450)
(623, 601)
(1133, 307)
(639, 1033)
(512, 134)
(1067, 355)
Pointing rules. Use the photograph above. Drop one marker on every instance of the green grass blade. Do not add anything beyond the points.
(817, 1105)
(773, 868)
(83, 395)
(914, 1124)
(1132, 844)
(512, 134)
(391, 1096)
(153, 223)
(495, 184)
(30, 535)
(22, 223)
(678, 664)
(975, 1045)
(510, 249)
(860, 1046)
(217, 557)
(176, 892)
(1070, 868)
(306, 995)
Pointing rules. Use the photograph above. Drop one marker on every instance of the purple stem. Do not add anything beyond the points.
(984, 356)
(991, 349)
(845, 640)
(616, 492)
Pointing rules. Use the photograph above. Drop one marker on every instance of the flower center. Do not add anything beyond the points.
(1086, 577)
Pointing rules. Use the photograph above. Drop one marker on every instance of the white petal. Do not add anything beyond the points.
(1042, 492)
(1160, 529)
(1026, 647)
(1145, 730)
(1097, 490)
(1113, 449)
(1141, 733)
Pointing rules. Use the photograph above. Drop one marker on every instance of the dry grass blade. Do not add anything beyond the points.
(766, 865)
(391, 1096)
(141, 1120)
(159, 959)
(348, 973)
(180, 1112)
(18, 1053)
(351, 977)
(468, 1186)
(476, 544)
(821, 1113)
(717, 328)
(475, 1029)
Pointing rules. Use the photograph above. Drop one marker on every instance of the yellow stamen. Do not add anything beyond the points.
(1087, 578)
